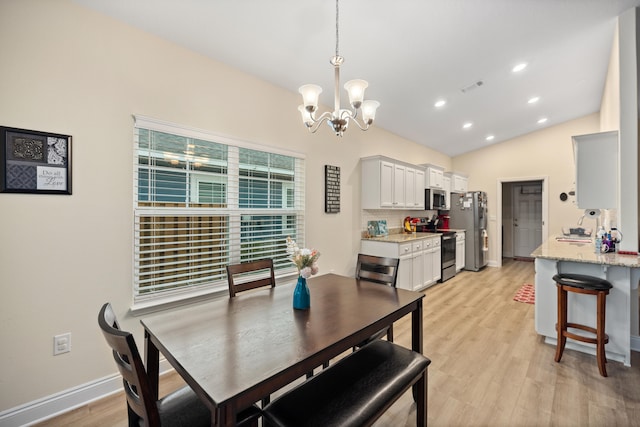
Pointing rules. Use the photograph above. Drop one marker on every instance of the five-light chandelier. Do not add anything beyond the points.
(339, 119)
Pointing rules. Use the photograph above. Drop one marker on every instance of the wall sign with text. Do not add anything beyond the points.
(34, 162)
(331, 189)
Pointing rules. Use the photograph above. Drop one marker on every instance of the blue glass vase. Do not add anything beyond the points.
(301, 295)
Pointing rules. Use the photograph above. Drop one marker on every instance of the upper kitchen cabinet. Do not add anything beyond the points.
(596, 158)
(447, 190)
(414, 187)
(434, 176)
(391, 184)
(459, 182)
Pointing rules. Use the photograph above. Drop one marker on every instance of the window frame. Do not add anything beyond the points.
(284, 270)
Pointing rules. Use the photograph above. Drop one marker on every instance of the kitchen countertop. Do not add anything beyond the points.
(583, 252)
(401, 237)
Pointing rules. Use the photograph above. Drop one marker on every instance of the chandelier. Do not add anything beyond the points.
(339, 119)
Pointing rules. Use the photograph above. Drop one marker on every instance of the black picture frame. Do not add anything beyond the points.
(32, 161)
(332, 189)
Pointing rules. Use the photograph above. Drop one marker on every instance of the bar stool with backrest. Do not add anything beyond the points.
(586, 285)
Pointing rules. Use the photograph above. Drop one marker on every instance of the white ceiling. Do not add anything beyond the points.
(412, 52)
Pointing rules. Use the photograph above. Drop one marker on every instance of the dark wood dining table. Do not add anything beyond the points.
(235, 351)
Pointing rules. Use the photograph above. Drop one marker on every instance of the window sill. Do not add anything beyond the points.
(165, 302)
(180, 298)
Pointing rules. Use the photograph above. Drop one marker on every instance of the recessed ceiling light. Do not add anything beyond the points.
(440, 103)
(467, 125)
(533, 100)
(490, 137)
(519, 67)
(542, 120)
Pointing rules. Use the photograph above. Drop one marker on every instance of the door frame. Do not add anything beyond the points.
(545, 209)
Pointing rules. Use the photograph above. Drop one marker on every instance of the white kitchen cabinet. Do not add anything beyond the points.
(419, 189)
(434, 176)
(386, 188)
(459, 182)
(416, 268)
(447, 190)
(405, 269)
(460, 248)
(417, 260)
(596, 157)
(428, 262)
(399, 172)
(432, 261)
(409, 187)
(436, 260)
(390, 184)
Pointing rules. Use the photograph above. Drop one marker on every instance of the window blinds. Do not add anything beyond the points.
(203, 201)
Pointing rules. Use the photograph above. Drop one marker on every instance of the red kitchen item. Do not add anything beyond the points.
(444, 221)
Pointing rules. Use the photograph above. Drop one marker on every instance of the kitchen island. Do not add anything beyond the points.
(623, 271)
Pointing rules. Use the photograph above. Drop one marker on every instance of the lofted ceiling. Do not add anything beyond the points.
(413, 53)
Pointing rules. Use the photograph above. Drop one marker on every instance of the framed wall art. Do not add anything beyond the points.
(34, 162)
(332, 189)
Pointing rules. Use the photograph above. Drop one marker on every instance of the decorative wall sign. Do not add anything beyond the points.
(34, 162)
(332, 189)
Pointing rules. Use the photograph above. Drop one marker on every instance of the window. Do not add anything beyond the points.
(204, 201)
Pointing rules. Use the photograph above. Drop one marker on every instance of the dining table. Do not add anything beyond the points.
(233, 352)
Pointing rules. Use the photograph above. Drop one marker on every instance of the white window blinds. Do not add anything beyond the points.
(203, 201)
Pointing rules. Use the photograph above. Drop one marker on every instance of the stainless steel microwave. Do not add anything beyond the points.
(434, 199)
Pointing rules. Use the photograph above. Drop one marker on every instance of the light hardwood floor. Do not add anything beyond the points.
(489, 367)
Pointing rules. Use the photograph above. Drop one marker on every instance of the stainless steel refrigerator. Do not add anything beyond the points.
(468, 211)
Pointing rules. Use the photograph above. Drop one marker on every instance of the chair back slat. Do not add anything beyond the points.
(140, 403)
(376, 269)
(250, 275)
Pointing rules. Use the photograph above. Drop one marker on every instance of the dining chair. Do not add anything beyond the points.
(246, 269)
(239, 279)
(181, 408)
(381, 270)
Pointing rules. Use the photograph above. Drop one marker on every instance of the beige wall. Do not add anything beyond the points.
(546, 153)
(610, 105)
(68, 70)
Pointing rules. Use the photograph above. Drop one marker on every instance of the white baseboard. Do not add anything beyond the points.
(635, 343)
(59, 403)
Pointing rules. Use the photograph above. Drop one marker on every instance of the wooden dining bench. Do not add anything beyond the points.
(355, 391)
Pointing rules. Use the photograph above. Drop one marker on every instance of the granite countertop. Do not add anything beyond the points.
(401, 237)
(583, 252)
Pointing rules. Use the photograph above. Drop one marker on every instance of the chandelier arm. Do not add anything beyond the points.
(364, 126)
(315, 125)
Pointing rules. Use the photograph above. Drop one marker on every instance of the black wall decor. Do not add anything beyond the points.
(331, 189)
(34, 162)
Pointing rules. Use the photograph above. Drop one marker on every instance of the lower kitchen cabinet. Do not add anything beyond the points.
(460, 248)
(432, 261)
(420, 259)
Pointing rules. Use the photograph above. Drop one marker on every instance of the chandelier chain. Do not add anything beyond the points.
(337, 28)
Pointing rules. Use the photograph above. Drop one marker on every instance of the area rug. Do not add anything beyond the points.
(526, 294)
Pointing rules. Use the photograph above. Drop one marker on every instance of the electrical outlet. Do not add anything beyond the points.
(62, 343)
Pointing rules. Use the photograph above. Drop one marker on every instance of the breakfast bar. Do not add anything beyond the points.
(623, 271)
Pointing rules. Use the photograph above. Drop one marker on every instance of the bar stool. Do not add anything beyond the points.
(587, 285)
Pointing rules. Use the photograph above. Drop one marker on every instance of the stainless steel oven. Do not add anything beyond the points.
(448, 248)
